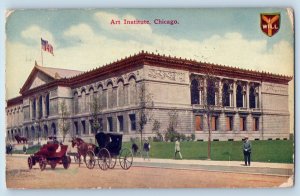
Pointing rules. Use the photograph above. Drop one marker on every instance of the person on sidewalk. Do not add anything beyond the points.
(134, 149)
(247, 151)
(177, 148)
(146, 149)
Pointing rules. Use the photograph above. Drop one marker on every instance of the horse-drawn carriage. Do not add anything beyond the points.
(51, 154)
(108, 152)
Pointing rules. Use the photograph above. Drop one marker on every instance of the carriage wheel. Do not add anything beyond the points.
(66, 160)
(53, 164)
(104, 159)
(42, 163)
(90, 159)
(113, 162)
(30, 162)
(125, 158)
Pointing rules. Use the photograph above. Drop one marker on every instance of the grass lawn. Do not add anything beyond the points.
(30, 150)
(275, 151)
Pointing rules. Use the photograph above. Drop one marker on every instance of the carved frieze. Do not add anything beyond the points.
(166, 75)
(274, 88)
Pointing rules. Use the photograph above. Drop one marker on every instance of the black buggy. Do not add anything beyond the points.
(108, 152)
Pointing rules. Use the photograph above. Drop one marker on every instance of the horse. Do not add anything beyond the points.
(21, 139)
(82, 148)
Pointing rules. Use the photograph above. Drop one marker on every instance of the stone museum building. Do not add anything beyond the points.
(240, 102)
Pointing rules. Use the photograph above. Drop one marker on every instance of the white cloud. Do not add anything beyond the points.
(81, 31)
(96, 50)
(35, 32)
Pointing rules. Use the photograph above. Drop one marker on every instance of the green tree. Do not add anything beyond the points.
(64, 125)
(145, 104)
(96, 110)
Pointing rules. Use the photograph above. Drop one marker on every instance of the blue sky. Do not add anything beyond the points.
(195, 24)
(84, 38)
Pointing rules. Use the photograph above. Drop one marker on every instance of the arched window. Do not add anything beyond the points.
(76, 103)
(32, 133)
(91, 99)
(33, 108)
(195, 99)
(252, 97)
(120, 94)
(26, 133)
(40, 106)
(47, 104)
(132, 91)
(110, 98)
(226, 95)
(83, 102)
(53, 129)
(239, 96)
(102, 97)
(211, 92)
(45, 132)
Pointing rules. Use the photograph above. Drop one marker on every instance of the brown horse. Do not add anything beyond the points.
(21, 139)
(82, 148)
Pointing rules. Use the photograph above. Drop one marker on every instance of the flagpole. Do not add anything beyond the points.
(42, 54)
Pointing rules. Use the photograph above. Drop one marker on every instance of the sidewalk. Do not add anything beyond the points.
(278, 169)
(281, 169)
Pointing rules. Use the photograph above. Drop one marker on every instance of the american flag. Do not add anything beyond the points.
(46, 46)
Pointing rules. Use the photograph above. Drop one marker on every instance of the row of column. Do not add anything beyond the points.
(232, 96)
(35, 112)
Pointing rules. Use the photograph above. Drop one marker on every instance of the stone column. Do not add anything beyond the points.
(259, 97)
(44, 105)
(205, 125)
(220, 92)
(236, 122)
(234, 93)
(30, 109)
(222, 122)
(247, 95)
(249, 123)
(205, 91)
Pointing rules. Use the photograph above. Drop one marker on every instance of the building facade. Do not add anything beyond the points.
(239, 102)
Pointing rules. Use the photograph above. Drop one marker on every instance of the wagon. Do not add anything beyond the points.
(50, 154)
(108, 152)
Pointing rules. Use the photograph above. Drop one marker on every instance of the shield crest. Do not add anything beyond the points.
(270, 23)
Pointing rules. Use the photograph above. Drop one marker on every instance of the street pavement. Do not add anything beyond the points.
(278, 169)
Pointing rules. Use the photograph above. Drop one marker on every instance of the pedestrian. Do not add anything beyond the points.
(24, 149)
(177, 149)
(146, 149)
(247, 151)
(134, 149)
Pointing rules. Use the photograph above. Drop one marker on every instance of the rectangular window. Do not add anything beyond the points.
(214, 123)
(83, 127)
(120, 123)
(100, 124)
(33, 109)
(109, 124)
(243, 124)
(92, 126)
(255, 124)
(132, 122)
(76, 128)
(229, 123)
(198, 123)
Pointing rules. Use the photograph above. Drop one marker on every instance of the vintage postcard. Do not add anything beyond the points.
(150, 98)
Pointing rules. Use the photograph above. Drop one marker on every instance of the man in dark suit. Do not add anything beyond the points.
(247, 151)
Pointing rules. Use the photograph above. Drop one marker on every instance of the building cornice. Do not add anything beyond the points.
(151, 59)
